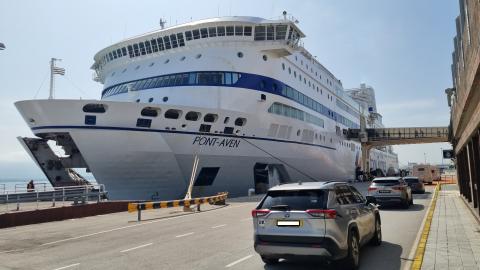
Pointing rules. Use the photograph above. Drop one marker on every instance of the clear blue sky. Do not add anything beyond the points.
(402, 48)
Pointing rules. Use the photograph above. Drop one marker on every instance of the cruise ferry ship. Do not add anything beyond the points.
(240, 93)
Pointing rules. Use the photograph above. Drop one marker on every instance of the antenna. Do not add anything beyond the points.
(162, 23)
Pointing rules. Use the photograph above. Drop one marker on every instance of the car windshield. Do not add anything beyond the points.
(295, 199)
(386, 182)
(411, 180)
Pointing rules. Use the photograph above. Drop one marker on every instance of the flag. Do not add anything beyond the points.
(57, 70)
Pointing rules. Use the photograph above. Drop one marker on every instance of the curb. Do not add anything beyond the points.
(422, 243)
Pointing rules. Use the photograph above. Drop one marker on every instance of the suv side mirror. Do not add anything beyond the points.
(371, 199)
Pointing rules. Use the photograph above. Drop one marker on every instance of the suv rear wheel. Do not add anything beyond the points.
(351, 262)
(267, 260)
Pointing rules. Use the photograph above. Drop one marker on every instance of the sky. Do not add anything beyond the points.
(400, 47)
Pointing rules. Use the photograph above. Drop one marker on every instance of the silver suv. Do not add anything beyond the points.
(326, 219)
(391, 190)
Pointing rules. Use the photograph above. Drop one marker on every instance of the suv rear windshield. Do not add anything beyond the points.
(296, 199)
(386, 182)
(411, 180)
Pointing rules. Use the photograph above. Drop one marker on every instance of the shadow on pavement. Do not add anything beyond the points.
(415, 207)
(384, 257)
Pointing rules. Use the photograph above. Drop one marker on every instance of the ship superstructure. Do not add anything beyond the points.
(241, 93)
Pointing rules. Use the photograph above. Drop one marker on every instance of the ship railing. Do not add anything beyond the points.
(35, 199)
(42, 186)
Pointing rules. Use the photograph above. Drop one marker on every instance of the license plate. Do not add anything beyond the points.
(384, 191)
(288, 223)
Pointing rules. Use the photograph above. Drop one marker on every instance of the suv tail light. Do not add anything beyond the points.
(260, 212)
(325, 213)
(398, 188)
(372, 189)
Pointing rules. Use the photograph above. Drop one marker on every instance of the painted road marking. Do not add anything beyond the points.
(130, 249)
(238, 261)
(219, 226)
(13, 250)
(136, 225)
(68, 266)
(182, 235)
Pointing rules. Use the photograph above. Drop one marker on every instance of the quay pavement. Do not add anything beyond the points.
(454, 238)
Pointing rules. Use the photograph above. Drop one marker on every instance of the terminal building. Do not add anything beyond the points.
(464, 100)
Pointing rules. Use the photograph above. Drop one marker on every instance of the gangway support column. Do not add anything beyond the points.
(366, 158)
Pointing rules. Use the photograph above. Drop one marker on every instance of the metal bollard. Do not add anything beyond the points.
(53, 199)
(86, 193)
(18, 203)
(198, 207)
(63, 196)
(139, 217)
(37, 200)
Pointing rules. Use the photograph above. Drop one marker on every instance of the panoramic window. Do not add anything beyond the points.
(166, 41)
(212, 32)
(204, 32)
(173, 40)
(196, 34)
(188, 35)
(247, 31)
(281, 32)
(230, 31)
(270, 32)
(238, 30)
(260, 32)
(154, 45)
(221, 31)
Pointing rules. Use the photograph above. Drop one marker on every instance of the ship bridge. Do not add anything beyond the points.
(377, 137)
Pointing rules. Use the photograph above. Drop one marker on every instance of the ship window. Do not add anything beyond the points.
(90, 120)
(240, 122)
(228, 78)
(124, 51)
(130, 51)
(204, 128)
(198, 56)
(114, 53)
(166, 40)
(281, 32)
(192, 78)
(119, 53)
(225, 121)
(192, 116)
(235, 77)
(95, 108)
(210, 118)
(289, 70)
(204, 32)
(160, 44)
(262, 84)
(238, 30)
(154, 45)
(230, 31)
(148, 46)
(283, 66)
(247, 31)
(136, 50)
(196, 34)
(221, 31)
(240, 54)
(212, 31)
(294, 74)
(188, 35)
(166, 61)
(228, 130)
(210, 78)
(142, 48)
(183, 58)
(149, 111)
(259, 32)
(172, 114)
(141, 122)
(181, 42)
(173, 38)
(264, 57)
(270, 32)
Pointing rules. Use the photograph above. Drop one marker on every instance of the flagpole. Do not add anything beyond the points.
(52, 63)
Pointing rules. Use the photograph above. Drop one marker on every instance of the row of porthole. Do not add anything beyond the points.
(330, 97)
(198, 56)
(190, 116)
(329, 82)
